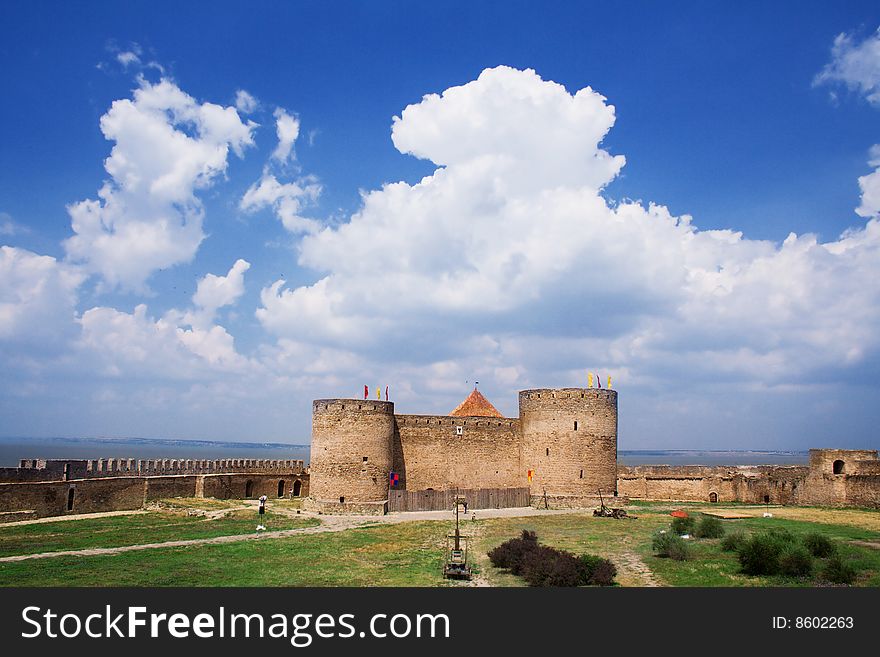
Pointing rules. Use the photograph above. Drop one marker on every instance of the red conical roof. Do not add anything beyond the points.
(475, 406)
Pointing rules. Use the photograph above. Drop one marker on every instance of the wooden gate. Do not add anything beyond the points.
(441, 500)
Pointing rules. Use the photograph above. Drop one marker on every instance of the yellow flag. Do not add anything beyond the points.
(378, 392)
(590, 379)
(609, 382)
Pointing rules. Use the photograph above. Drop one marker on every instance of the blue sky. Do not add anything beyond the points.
(531, 255)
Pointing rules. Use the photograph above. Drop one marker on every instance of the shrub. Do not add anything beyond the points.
(710, 527)
(510, 554)
(760, 554)
(597, 571)
(546, 566)
(683, 525)
(781, 535)
(838, 571)
(670, 544)
(541, 565)
(820, 545)
(733, 542)
(796, 561)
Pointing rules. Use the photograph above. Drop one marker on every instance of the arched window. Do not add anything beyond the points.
(837, 467)
(281, 488)
(249, 488)
(297, 488)
(713, 497)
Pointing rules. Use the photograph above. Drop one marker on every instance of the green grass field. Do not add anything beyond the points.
(374, 556)
(404, 554)
(115, 531)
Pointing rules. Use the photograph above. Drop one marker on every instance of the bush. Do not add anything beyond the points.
(781, 535)
(796, 561)
(683, 525)
(760, 554)
(597, 571)
(820, 545)
(510, 554)
(838, 571)
(710, 527)
(541, 565)
(546, 566)
(670, 544)
(733, 542)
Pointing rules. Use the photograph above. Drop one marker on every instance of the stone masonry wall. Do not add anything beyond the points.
(759, 484)
(430, 453)
(40, 499)
(67, 469)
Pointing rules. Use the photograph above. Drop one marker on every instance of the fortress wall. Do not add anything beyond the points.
(90, 496)
(32, 474)
(570, 440)
(776, 485)
(678, 488)
(157, 488)
(830, 471)
(94, 495)
(866, 468)
(235, 486)
(68, 469)
(822, 460)
(429, 452)
(863, 490)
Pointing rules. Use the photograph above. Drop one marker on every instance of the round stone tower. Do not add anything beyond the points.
(351, 451)
(570, 440)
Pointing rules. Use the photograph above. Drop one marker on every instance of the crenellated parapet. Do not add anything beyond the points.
(71, 469)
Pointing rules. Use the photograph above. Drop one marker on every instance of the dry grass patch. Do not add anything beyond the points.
(861, 518)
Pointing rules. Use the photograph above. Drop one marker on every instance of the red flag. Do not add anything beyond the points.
(386, 393)
(366, 391)
(598, 381)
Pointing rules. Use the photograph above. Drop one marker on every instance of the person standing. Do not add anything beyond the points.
(262, 511)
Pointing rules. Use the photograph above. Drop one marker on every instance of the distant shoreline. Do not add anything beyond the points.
(13, 449)
(149, 441)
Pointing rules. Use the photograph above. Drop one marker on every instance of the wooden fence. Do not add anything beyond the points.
(441, 500)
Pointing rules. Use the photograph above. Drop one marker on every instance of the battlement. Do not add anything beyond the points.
(70, 469)
(454, 421)
(352, 406)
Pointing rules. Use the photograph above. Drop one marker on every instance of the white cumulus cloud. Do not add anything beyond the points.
(856, 64)
(870, 186)
(287, 201)
(509, 258)
(287, 129)
(37, 298)
(148, 216)
(245, 102)
(214, 292)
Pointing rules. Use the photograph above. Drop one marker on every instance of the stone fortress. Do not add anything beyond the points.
(562, 448)
(561, 452)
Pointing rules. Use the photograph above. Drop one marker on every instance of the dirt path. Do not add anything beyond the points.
(328, 524)
(630, 564)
